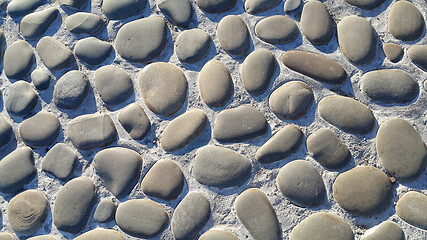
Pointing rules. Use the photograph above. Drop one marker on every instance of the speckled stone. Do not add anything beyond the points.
(216, 6)
(60, 161)
(387, 230)
(18, 8)
(19, 59)
(53, 53)
(43, 237)
(40, 130)
(83, 22)
(41, 79)
(412, 208)
(72, 3)
(393, 52)
(5, 236)
(105, 211)
(92, 50)
(316, 23)
(258, 6)
(215, 83)
(122, 9)
(277, 29)
(16, 170)
(180, 11)
(192, 45)
(418, 55)
(291, 100)
(233, 35)
(21, 98)
(257, 71)
(405, 21)
(114, 84)
(365, 4)
(291, 5)
(101, 234)
(135, 121)
(218, 235)
(71, 90)
(6, 131)
(35, 24)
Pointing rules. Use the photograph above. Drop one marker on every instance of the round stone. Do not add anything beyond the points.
(54, 54)
(40, 130)
(258, 6)
(114, 84)
(316, 23)
(277, 29)
(41, 79)
(387, 230)
(21, 98)
(412, 208)
(18, 60)
(192, 45)
(258, 70)
(218, 235)
(35, 24)
(233, 35)
(405, 21)
(60, 161)
(105, 211)
(101, 234)
(83, 22)
(71, 90)
(393, 52)
(180, 11)
(122, 9)
(215, 83)
(6, 131)
(365, 4)
(18, 8)
(418, 55)
(135, 121)
(72, 3)
(216, 6)
(92, 50)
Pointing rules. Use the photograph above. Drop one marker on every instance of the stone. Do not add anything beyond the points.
(316, 66)
(164, 180)
(16, 170)
(135, 121)
(122, 9)
(164, 93)
(183, 130)
(19, 59)
(6, 131)
(346, 113)
(142, 40)
(277, 29)
(387, 230)
(350, 29)
(2, 44)
(291, 100)
(60, 161)
(401, 149)
(43, 237)
(215, 83)
(233, 35)
(191, 214)
(105, 211)
(291, 5)
(216, 6)
(92, 131)
(114, 84)
(418, 53)
(393, 52)
(73, 205)
(363, 191)
(405, 21)
(5, 236)
(221, 167)
(78, 4)
(258, 216)
(40, 130)
(322, 226)
(53, 53)
(21, 98)
(35, 24)
(27, 212)
(316, 23)
(119, 169)
(83, 22)
(389, 85)
(41, 79)
(412, 208)
(218, 235)
(258, 6)
(192, 45)
(257, 71)
(142, 218)
(328, 149)
(365, 4)
(282, 144)
(180, 11)
(101, 234)
(71, 90)
(19, 8)
(92, 50)
(239, 124)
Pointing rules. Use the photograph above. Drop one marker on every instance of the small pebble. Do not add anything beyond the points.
(316, 23)
(43, 237)
(41, 79)
(114, 9)
(105, 211)
(35, 24)
(233, 35)
(291, 100)
(92, 50)
(16, 170)
(393, 52)
(54, 54)
(180, 11)
(40, 130)
(258, 6)
(277, 29)
(257, 71)
(19, 8)
(21, 98)
(83, 22)
(71, 90)
(387, 230)
(114, 84)
(216, 6)
(72, 3)
(412, 208)
(218, 235)
(405, 21)
(60, 161)
(135, 121)
(6, 131)
(291, 5)
(365, 4)
(418, 55)
(192, 45)
(101, 234)
(18, 60)
(215, 83)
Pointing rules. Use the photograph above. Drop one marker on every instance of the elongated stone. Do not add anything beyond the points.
(83, 22)
(16, 170)
(387, 230)
(40, 130)
(257, 71)
(180, 11)
(218, 235)
(365, 4)
(291, 100)
(192, 45)
(60, 161)
(35, 24)
(41, 79)
(5, 131)
(135, 121)
(122, 9)
(53, 53)
(2, 45)
(233, 35)
(18, 60)
(18, 8)
(277, 29)
(215, 83)
(92, 50)
(216, 6)
(258, 6)
(316, 23)
(101, 234)
(21, 99)
(71, 90)
(412, 208)
(114, 84)
(105, 211)
(418, 55)
(405, 21)
(72, 3)
(393, 52)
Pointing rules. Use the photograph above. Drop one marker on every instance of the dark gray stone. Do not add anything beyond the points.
(18, 8)
(105, 211)
(277, 29)
(41, 79)
(412, 208)
(291, 100)
(405, 21)
(365, 4)
(418, 55)
(18, 60)
(16, 170)
(72, 3)
(316, 23)
(192, 45)
(5, 131)
(71, 90)
(216, 6)
(215, 83)
(180, 11)
(21, 98)
(2, 44)
(92, 50)
(40, 130)
(387, 230)
(53, 53)
(122, 9)
(101, 234)
(83, 22)
(60, 161)
(258, 6)
(114, 84)
(135, 121)
(393, 52)
(233, 35)
(35, 24)
(257, 71)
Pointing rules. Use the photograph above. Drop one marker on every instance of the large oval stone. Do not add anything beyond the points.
(418, 55)
(18, 8)
(215, 83)
(101, 234)
(180, 11)
(21, 98)
(257, 71)
(316, 23)
(192, 45)
(122, 9)
(218, 235)
(54, 54)
(365, 4)
(216, 6)
(405, 21)
(412, 208)
(291, 100)
(135, 121)
(92, 50)
(60, 161)
(35, 24)
(258, 6)
(18, 60)
(71, 90)
(5, 131)
(233, 35)
(83, 22)
(114, 84)
(40, 130)
(277, 29)
(16, 170)
(387, 230)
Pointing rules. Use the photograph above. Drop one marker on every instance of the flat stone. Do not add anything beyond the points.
(233, 35)
(405, 21)
(71, 90)
(53, 53)
(135, 121)
(412, 208)
(16, 170)
(164, 180)
(389, 85)
(72, 3)
(286, 141)
(328, 149)
(347, 114)
(316, 23)
(83, 22)
(191, 214)
(221, 167)
(6, 131)
(142, 218)
(291, 5)
(43, 237)
(5, 236)
(387, 230)
(316, 66)
(401, 149)
(41, 79)
(180, 11)
(258, 216)
(101, 234)
(92, 50)
(122, 9)
(192, 45)
(215, 83)
(393, 52)
(27, 212)
(218, 235)
(105, 211)
(365, 4)
(239, 124)
(352, 28)
(21, 98)
(164, 93)
(258, 6)
(18, 8)
(35, 24)
(277, 29)
(418, 55)
(216, 6)
(40, 130)
(92, 131)
(60, 161)
(363, 191)
(257, 71)
(291, 100)
(114, 84)
(119, 169)
(322, 226)
(19, 59)
(142, 40)
(73, 205)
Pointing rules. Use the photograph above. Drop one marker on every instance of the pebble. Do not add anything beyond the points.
(53, 53)
(363, 191)
(191, 214)
(101, 234)
(73, 205)
(142, 40)
(258, 216)
(165, 93)
(316, 66)
(135, 121)
(16, 170)
(357, 52)
(21, 98)
(291, 100)
(119, 169)
(291, 5)
(60, 161)
(365, 4)
(277, 29)
(221, 167)
(218, 235)
(40, 130)
(71, 90)
(215, 83)
(19, 8)
(105, 211)
(19, 59)
(387, 230)
(239, 124)
(92, 131)
(27, 212)
(72, 3)
(401, 149)
(316, 23)
(328, 149)
(216, 6)
(142, 218)
(418, 55)
(5, 236)
(393, 52)
(233, 35)
(257, 71)
(286, 141)
(41, 79)
(43, 237)
(180, 11)
(258, 6)
(192, 45)
(35, 24)
(322, 226)
(412, 208)
(92, 50)
(389, 85)
(164, 180)
(413, 24)
(114, 84)
(83, 22)
(2, 44)
(6, 131)
(346, 113)
(114, 9)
